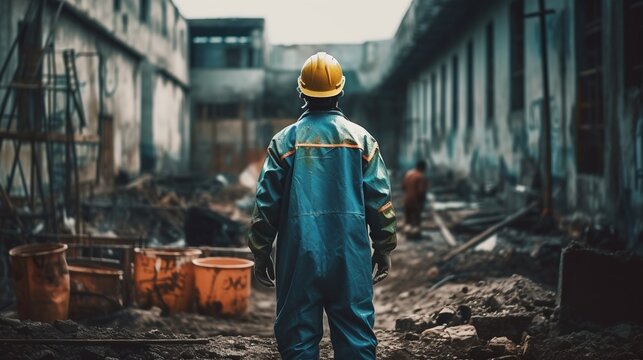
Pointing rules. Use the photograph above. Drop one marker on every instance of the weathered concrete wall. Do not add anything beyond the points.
(168, 51)
(171, 126)
(93, 27)
(508, 147)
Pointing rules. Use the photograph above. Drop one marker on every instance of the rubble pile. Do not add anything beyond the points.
(173, 211)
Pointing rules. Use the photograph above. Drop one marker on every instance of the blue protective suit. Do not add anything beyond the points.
(322, 182)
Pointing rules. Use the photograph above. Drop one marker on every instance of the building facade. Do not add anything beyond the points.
(472, 79)
(132, 66)
(227, 78)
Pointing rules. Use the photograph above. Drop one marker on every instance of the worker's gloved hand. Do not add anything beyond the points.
(265, 271)
(383, 262)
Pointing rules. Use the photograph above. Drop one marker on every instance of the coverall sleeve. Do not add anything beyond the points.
(265, 217)
(380, 214)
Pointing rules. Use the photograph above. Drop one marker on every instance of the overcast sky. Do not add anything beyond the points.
(309, 22)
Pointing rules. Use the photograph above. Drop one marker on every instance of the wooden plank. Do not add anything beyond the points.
(444, 230)
(490, 231)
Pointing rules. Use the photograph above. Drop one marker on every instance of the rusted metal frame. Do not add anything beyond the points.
(32, 7)
(68, 132)
(6, 95)
(9, 204)
(16, 163)
(104, 342)
(124, 243)
(70, 70)
(16, 146)
(76, 95)
(101, 114)
(83, 139)
(51, 101)
(134, 207)
(121, 240)
(28, 86)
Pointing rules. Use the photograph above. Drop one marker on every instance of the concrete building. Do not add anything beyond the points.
(243, 89)
(227, 78)
(472, 81)
(144, 74)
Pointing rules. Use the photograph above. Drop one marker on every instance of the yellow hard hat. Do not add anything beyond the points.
(321, 76)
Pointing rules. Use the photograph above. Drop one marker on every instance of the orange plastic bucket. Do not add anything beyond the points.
(164, 277)
(41, 280)
(222, 285)
(96, 290)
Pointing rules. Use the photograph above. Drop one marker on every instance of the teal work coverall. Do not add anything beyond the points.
(322, 183)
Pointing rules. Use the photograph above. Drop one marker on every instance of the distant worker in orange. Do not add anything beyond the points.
(414, 186)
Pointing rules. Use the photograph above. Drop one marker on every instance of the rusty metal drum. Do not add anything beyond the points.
(96, 289)
(164, 277)
(41, 279)
(223, 285)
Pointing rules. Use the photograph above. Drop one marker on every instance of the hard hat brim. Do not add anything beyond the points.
(321, 94)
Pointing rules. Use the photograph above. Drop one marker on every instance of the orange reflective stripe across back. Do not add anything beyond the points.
(351, 146)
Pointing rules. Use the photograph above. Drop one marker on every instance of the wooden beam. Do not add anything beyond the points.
(444, 230)
(490, 231)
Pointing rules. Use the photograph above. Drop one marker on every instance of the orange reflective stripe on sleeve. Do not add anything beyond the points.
(386, 206)
(287, 154)
(371, 155)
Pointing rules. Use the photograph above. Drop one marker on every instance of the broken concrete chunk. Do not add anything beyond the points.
(501, 346)
(492, 303)
(512, 326)
(481, 353)
(414, 323)
(444, 316)
(66, 326)
(460, 336)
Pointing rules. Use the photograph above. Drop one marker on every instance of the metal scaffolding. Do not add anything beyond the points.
(42, 115)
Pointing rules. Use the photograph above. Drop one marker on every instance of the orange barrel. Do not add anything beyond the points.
(42, 281)
(96, 290)
(222, 285)
(164, 277)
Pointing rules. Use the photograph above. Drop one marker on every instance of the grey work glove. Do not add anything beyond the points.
(265, 272)
(383, 262)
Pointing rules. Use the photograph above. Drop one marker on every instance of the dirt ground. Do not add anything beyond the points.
(495, 302)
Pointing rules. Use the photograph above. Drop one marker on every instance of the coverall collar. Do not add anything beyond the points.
(334, 111)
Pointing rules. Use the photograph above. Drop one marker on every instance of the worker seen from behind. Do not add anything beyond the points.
(414, 186)
(322, 183)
